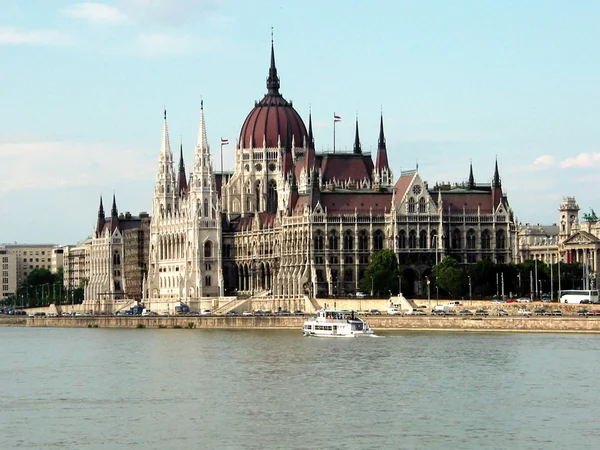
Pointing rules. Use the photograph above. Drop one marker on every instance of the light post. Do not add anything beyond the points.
(372, 286)
(399, 285)
(470, 290)
(536, 277)
(428, 293)
(502, 286)
(531, 284)
(559, 258)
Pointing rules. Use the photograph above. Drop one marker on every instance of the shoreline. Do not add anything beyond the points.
(380, 324)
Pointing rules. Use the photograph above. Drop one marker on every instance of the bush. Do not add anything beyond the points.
(162, 326)
(190, 325)
(140, 325)
(176, 326)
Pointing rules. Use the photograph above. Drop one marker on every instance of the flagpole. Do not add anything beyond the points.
(221, 158)
(334, 132)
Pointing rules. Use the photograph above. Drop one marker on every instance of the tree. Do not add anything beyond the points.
(382, 274)
(450, 277)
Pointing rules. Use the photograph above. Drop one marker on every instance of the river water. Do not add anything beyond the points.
(217, 389)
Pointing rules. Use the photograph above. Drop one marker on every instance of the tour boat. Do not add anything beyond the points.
(336, 323)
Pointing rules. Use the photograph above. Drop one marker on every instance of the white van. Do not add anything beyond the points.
(394, 312)
(454, 304)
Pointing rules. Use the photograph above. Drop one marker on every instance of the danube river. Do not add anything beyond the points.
(218, 389)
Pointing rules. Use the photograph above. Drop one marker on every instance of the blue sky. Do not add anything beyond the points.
(84, 84)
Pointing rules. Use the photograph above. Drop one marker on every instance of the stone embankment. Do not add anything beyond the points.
(379, 323)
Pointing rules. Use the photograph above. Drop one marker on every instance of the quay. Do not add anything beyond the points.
(574, 324)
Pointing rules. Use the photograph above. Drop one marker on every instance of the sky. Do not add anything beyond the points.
(84, 85)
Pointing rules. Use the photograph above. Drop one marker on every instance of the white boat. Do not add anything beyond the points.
(336, 323)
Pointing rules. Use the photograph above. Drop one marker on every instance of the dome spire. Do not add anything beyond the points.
(382, 160)
(273, 79)
(114, 212)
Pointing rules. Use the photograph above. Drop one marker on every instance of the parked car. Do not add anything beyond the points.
(524, 312)
(502, 312)
(583, 312)
(545, 298)
(557, 312)
(247, 313)
(283, 312)
(360, 294)
(482, 312)
(524, 300)
(497, 301)
(511, 300)
(541, 312)
(298, 312)
(374, 312)
(231, 313)
(205, 312)
(394, 312)
(465, 312)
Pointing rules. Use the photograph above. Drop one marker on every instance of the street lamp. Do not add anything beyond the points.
(470, 291)
(372, 286)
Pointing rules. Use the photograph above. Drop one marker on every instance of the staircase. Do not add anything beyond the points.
(229, 306)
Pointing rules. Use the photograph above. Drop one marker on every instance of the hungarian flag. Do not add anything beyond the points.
(336, 118)
(224, 141)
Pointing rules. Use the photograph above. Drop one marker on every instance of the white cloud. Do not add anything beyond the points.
(158, 44)
(12, 36)
(583, 160)
(38, 165)
(97, 13)
(169, 12)
(545, 160)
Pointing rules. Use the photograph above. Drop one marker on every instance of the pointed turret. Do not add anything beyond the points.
(181, 179)
(165, 190)
(273, 79)
(496, 182)
(383, 174)
(101, 219)
(357, 147)
(471, 178)
(114, 215)
(114, 212)
(309, 157)
(288, 165)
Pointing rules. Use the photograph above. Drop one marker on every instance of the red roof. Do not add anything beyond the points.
(344, 166)
(348, 202)
(402, 185)
(269, 120)
(469, 200)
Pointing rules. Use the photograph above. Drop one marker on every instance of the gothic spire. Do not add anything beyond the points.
(382, 159)
(101, 210)
(309, 156)
(114, 212)
(165, 147)
(181, 179)
(202, 139)
(357, 148)
(273, 79)
(471, 178)
(496, 182)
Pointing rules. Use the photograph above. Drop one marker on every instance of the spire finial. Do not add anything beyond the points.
(273, 79)
(311, 141)
(201, 103)
(101, 209)
(114, 212)
(165, 112)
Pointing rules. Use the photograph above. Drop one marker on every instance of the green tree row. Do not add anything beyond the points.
(483, 279)
(41, 288)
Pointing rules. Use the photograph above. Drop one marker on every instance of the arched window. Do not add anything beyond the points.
(318, 240)
(348, 240)
(207, 280)
(456, 243)
(500, 241)
(412, 239)
(411, 205)
(319, 275)
(423, 239)
(208, 249)
(348, 275)
(485, 240)
(422, 205)
(402, 239)
(333, 240)
(378, 240)
(206, 208)
(363, 240)
(433, 240)
(471, 239)
(272, 197)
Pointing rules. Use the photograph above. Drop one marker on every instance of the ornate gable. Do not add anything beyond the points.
(414, 196)
(581, 237)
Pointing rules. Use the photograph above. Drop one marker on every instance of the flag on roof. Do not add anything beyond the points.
(336, 118)
(224, 141)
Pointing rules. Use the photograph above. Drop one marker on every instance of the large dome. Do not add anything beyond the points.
(272, 118)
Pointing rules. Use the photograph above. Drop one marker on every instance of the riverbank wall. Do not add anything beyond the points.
(378, 323)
